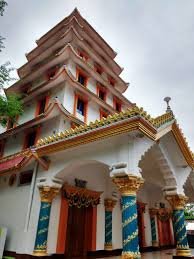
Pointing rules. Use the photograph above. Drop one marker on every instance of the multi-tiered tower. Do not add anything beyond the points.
(70, 79)
(75, 191)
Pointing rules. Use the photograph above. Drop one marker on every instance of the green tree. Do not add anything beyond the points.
(10, 106)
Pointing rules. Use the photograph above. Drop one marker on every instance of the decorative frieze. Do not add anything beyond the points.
(81, 197)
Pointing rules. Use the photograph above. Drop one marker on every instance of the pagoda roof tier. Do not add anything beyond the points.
(14, 162)
(63, 55)
(76, 16)
(70, 35)
(17, 161)
(63, 75)
(134, 119)
(54, 108)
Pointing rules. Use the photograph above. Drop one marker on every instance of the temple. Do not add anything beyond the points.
(84, 171)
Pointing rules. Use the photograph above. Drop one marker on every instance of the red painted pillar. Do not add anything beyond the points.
(62, 230)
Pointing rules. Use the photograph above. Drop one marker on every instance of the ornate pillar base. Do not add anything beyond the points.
(183, 252)
(40, 253)
(130, 255)
(108, 247)
(155, 244)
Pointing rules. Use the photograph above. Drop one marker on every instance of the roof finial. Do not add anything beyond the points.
(167, 100)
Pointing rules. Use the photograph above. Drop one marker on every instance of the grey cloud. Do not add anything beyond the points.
(154, 40)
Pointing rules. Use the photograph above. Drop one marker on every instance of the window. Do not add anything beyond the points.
(111, 81)
(83, 55)
(2, 145)
(51, 72)
(41, 105)
(25, 177)
(80, 106)
(103, 114)
(30, 139)
(81, 78)
(10, 124)
(117, 105)
(99, 69)
(101, 92)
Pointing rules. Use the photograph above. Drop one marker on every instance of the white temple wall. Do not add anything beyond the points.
(69, 97)
(91, 85)
(93, 112)
(58, 92)
(29, 112)
(72, 67)
(14, 203)
(50, 127)
(109, 98)
(14, 144)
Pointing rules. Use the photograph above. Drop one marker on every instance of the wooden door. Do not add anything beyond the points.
(76, 244)
(140, 230)
(164, 233)
(141, 227)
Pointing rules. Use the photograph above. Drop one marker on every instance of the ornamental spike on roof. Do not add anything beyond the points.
(111, 119)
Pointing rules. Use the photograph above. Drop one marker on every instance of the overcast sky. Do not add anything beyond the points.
(154, 40)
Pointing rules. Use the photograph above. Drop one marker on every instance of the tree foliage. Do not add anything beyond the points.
(11, 106)
(3, 4)
(189, 211)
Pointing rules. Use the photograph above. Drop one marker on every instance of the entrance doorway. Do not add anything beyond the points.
(79, 231)
(141, 227)
(164, 228)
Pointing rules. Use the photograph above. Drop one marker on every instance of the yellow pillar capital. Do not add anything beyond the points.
(109, 204)
(177, 201)
(128, 184)
(153, 212)
(47, 193)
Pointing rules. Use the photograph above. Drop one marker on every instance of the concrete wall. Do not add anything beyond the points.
(14, 203)
(29, 112)
(14, 144)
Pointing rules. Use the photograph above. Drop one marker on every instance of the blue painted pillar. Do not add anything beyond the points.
(153, 213)
(128, 186)
(47, 194)
(109, 205)
(178, 202)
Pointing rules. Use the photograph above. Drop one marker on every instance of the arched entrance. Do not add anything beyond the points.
(81, 220)
(141, 226)
(84, 185)
(164, 227)
(156, 173)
